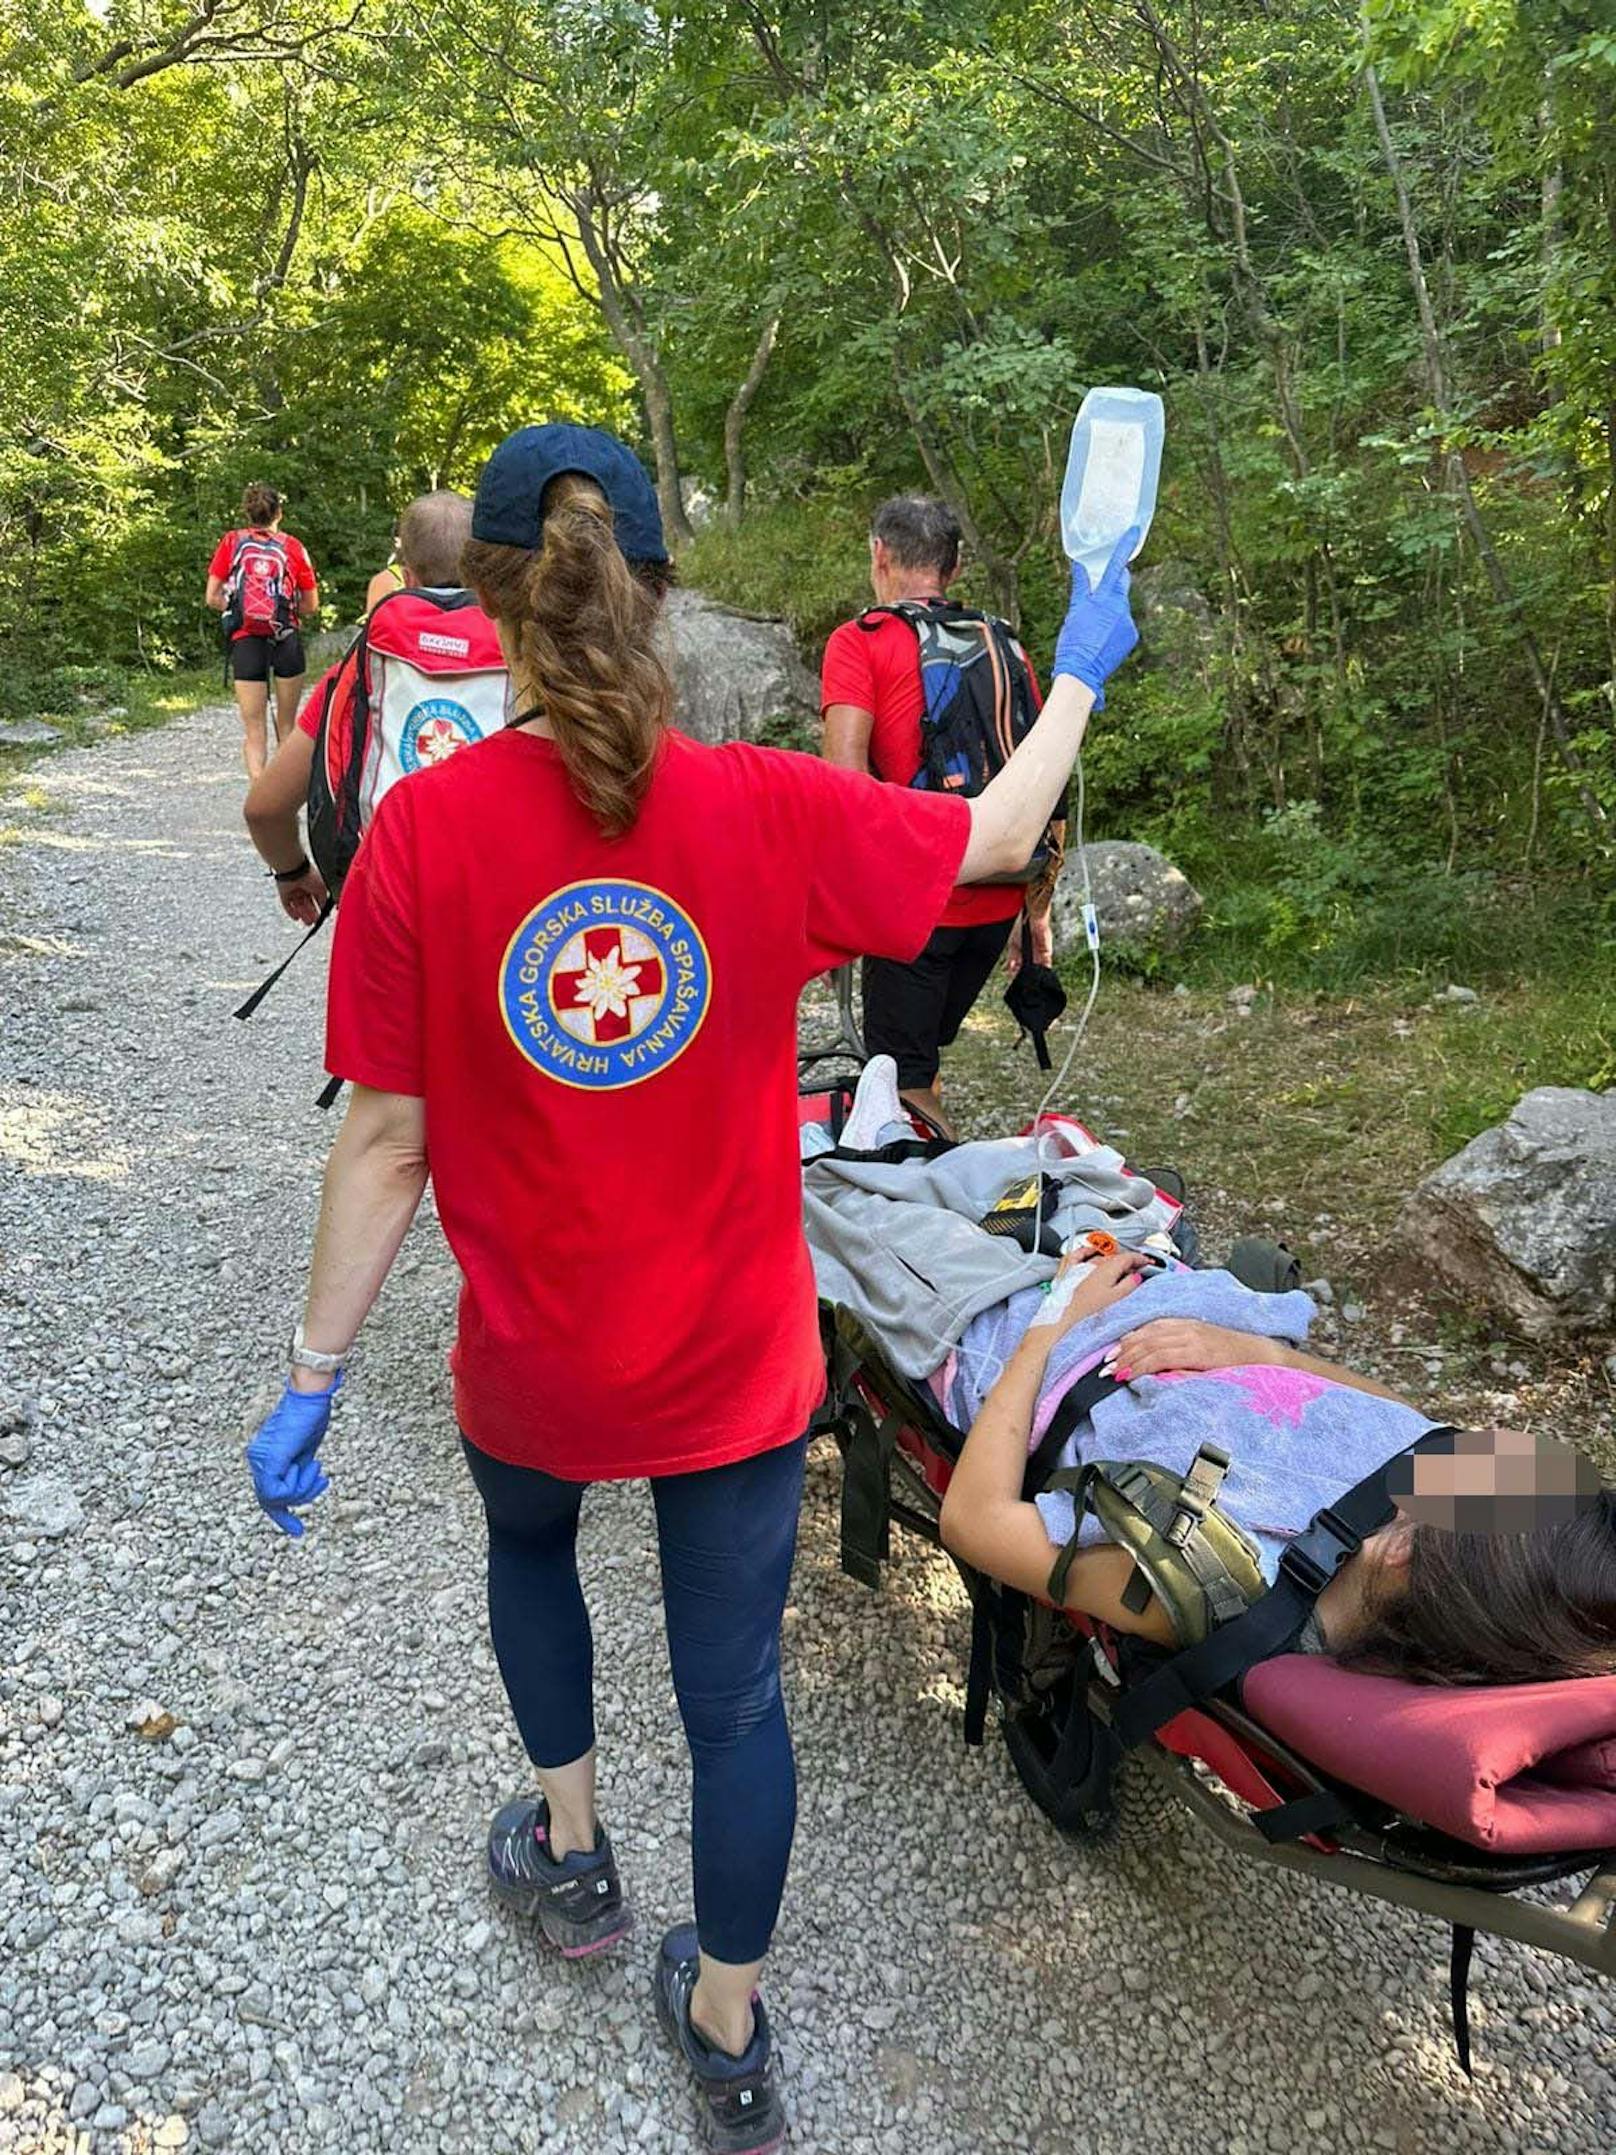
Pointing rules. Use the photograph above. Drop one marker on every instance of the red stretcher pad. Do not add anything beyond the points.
(1516, 1769)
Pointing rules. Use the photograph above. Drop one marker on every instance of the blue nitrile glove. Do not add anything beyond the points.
(281, 1457)
(1098, 632)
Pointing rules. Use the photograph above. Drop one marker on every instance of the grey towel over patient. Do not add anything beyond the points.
(897, 1242)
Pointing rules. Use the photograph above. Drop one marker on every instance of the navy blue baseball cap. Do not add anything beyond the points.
(507, 509)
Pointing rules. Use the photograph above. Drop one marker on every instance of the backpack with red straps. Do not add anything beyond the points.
(425, 678)
(260, 596)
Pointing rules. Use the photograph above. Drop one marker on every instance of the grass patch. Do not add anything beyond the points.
(805, 563)
(1312, 1111)
(90, 704)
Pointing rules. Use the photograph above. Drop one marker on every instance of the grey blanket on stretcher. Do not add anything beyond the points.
(897, 1242)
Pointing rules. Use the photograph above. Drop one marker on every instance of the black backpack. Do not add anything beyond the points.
(979, 703)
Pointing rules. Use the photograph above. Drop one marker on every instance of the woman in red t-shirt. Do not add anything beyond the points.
(262, 580)
(565, 979)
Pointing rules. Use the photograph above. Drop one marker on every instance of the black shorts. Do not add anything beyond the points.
(255, 658)
(913, 1012)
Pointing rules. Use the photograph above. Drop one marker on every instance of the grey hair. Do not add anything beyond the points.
(919, 532)
(432, 534)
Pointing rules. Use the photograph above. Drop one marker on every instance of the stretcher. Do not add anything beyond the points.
(1492, 1809)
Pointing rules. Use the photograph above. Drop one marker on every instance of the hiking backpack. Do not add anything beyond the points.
(978, 703)
(425, 678)
(259, 593)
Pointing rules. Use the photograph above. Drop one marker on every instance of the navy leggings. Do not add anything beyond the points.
(727, 1536)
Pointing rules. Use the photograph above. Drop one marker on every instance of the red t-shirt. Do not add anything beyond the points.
(878, 670)
(604, 1034)
(300, 567)
(308, 717)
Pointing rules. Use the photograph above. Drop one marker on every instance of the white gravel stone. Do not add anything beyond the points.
(951, 1977)
(43, 1504)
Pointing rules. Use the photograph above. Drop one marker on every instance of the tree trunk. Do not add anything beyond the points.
(1548, 329)
(735, 423)
(1459, 478)
(1004, 585)
(629, 334)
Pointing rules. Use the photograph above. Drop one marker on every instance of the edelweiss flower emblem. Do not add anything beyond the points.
(608, 985)
(438, 738)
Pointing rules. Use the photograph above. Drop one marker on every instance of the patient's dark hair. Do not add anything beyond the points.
(1496, 1608)
(919, 532)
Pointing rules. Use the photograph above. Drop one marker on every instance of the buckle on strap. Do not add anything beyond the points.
(1197, 1491)
(1317, 1554)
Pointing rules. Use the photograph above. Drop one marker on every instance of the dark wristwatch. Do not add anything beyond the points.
(292, 875)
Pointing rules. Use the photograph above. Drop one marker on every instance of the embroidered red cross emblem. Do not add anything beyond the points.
(606, 985)
(437, 738)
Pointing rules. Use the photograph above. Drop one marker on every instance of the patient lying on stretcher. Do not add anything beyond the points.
(1421, 1600)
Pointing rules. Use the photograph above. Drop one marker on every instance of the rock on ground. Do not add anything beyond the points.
(241, 1901)
(29, 733)
(737, 678)
(1144, 903)
(1522, 1223)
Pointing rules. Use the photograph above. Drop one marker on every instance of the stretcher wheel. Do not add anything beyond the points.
(1266, 1267)
(1069, 1770)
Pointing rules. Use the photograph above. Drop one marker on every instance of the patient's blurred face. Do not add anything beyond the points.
(1494, 1481)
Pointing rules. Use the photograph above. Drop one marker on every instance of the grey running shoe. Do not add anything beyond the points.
(577, 1903)
(741, 2111)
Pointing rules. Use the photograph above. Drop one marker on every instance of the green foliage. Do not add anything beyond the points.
(805, 562)
(819, 255)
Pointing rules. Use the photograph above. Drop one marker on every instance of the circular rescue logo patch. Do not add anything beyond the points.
(605, 984)
(433, 730)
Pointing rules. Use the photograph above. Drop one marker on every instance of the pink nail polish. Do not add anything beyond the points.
(1123, 1375)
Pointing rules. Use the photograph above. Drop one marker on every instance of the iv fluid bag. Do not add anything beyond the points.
(1111, 474)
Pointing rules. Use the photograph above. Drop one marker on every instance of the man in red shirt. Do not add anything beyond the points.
(432, 533)
(871, 698)
(267, 577)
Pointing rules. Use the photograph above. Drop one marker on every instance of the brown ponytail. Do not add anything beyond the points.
(260, 504)
(583, 626)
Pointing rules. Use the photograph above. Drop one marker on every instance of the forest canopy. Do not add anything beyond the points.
(808, 254)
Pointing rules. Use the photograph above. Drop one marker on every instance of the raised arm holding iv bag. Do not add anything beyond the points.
(1111, 472)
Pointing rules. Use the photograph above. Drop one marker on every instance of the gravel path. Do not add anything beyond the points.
(243, 1784)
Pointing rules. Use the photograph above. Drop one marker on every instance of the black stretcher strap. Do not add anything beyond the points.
(1318, 1811)
(998, 1614)
(251, 1004)
(1272, 1625)
(1464, 1944)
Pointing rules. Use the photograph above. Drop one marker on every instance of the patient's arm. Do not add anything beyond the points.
(1185, 1343)
(985, 1520)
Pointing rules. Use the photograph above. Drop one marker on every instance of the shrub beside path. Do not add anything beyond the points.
(243, 1784)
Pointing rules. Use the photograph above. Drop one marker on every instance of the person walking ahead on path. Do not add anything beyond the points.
(565, 981)
(872, 698)
(432, 534)
(262, 581)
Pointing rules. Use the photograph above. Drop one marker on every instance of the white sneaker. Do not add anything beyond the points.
(875, 1104)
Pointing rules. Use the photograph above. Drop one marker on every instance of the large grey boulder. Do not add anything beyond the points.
(323, 647)
(1176, 627)
(738, 678)
(1522, 1223)
(1144, 903)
